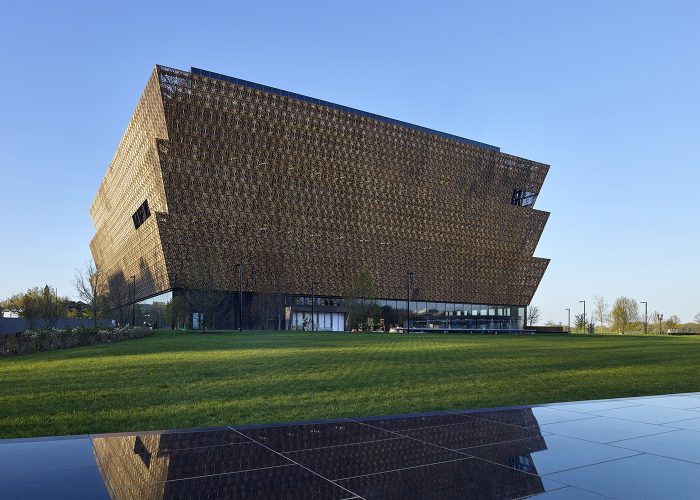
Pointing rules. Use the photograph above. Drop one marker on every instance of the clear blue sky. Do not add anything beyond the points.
(605, 92)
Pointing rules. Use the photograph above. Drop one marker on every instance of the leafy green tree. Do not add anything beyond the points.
(37, 303)
(625, 311)
(672, 322)
(52, 307)
(26, 305)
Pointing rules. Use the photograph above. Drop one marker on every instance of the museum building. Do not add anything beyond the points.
(238, 204)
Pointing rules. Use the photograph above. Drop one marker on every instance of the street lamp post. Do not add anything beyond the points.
(409, 285)
(645, 315)
(568, 321)
(313, 299)
(133, 300)
(240, 295)
(661, 318)
(584, 314)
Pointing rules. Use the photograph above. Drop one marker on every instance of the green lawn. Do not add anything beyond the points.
(178, 380)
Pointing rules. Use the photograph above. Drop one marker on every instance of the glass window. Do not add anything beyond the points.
(420, 308)
(441, 309)
(523, 198)
(431, 308)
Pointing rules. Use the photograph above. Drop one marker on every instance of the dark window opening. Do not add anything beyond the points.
(523, 198)
(141, 214)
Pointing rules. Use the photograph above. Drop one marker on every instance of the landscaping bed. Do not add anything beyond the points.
(49, 339)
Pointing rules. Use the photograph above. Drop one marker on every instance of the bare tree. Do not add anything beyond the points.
(119, 295)
(579, 323)
(361, 303)
(656, 318)
(204, 298)
(601, 310)
(625, 311)
(91, 286)
(267, 306)
(176, 312)
(696, 319)
(533, 315)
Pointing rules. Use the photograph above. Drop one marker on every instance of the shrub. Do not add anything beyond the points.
(53, 338)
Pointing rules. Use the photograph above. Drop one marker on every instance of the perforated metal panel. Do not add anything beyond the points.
(305, 191)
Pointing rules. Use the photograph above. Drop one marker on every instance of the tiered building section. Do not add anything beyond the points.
(214, 170)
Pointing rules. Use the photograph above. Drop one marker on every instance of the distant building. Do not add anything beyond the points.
(213, 170)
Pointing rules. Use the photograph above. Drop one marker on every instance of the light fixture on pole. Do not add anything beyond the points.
(409, 285)
(313, 299)
(645, 314)
(568, 321)
(584, 314)
(133, 300)
(240, 295)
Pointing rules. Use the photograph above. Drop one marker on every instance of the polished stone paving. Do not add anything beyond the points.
(646, 447)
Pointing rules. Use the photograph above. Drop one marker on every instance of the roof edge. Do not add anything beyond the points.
(347, 109)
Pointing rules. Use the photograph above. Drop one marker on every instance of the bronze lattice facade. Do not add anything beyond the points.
(219, 169)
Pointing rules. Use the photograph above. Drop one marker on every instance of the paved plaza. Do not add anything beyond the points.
(645, 447)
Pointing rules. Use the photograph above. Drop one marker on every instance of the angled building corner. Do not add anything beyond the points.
(130, 209)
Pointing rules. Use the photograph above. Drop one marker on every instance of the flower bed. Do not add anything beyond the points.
(53, 338)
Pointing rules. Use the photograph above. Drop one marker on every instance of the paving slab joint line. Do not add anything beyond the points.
(405, 468)
(394, 438)
(454, 450)
(300, 465)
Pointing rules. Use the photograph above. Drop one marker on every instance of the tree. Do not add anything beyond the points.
(579, 323)
(672, 322)
(119, 296)
(696, 319)
(657, 319)
(601, 310)
(533, 315)
(26, 305)
(268, 305)
(176, 312)
(204, 298)
(37, 303)
(51, 306)
(625, 311)
(361, 303)
(91, 285)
